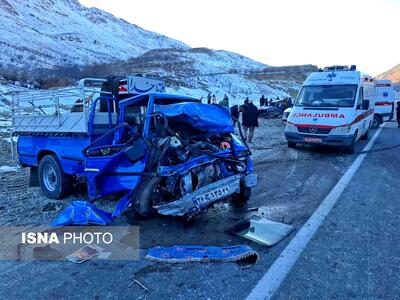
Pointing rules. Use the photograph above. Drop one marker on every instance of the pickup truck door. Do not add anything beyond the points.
(115, 162)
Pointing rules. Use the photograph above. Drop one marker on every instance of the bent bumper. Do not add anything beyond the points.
(328, 140)
(195, 202)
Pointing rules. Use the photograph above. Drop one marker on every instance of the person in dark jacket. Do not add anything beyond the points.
(398, 114)
(249, 120)
(209, 98)
(235, 114)
(262, 100)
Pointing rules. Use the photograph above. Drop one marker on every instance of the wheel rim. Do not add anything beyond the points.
(375, 123)
(50, 178)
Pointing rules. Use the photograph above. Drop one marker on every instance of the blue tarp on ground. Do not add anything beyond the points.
(204, 117)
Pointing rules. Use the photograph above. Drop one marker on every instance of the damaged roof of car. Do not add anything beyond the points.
(211, 118)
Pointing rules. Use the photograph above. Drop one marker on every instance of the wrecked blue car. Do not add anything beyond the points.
(159, 153)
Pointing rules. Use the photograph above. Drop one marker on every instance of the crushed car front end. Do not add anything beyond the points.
(196, 160)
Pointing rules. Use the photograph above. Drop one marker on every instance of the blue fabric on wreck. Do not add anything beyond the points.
(205, 117)
(181, 254)
(82, 213)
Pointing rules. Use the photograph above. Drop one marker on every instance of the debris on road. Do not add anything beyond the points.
(82, 213)
(139, 284)
(262, 230)
(184, 254)
(85, 253)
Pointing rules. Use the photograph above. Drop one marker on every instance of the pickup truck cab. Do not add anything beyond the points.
(334, 107)
(165, 153)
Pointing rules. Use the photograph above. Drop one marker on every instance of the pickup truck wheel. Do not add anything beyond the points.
(243, 196)
(143, 198)
(291, 145)
(55, 184)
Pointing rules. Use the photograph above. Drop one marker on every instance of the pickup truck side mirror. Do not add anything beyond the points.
(365, 104)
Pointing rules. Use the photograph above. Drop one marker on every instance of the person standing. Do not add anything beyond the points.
(235, 114)
(224, 102)
(213, 99)
(262, 101)
(209, 98)
(249, 120)
(398, 114)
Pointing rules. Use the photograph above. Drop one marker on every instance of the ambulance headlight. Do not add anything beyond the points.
(341, 130)
(290, 128)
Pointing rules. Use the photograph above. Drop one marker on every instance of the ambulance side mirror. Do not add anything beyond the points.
(365, 104)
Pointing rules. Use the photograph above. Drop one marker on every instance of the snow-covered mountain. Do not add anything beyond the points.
(197, 71)
(48, 33)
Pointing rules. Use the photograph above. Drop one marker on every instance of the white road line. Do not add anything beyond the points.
(277, 273)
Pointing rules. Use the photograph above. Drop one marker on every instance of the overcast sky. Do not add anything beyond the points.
(277, 32)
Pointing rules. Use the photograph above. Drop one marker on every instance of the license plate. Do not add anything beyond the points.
(312, 140)
(212, 196)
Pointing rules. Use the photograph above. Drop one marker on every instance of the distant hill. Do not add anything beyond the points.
(393, 74)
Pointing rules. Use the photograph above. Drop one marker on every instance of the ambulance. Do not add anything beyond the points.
(335, 107)
(384, 102)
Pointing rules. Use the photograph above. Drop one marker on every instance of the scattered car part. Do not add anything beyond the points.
(262, 230)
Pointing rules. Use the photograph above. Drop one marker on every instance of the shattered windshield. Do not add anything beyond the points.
(327, 95)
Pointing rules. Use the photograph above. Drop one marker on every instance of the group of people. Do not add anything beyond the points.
(284, 103)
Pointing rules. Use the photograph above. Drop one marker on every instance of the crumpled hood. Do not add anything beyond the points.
(204, 117)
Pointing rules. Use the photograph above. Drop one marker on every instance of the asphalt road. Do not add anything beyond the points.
(355, 253)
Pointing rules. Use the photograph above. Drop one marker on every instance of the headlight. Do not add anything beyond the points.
(290, 128)
(341, 130)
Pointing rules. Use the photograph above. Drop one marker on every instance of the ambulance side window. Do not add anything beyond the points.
(360, 98)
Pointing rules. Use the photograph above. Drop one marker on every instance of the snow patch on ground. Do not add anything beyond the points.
(7, 169)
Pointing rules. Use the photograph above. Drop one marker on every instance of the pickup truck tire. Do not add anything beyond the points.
(243, 196)
(55, 184)
(143, 202)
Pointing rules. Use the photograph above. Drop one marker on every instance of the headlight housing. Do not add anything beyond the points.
(341, 130)
(290, 128)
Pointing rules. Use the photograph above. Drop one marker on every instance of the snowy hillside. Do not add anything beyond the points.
(393, 74)
(48, 33)
(198, 71)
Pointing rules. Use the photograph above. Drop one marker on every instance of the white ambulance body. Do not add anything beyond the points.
(334, 108)
(384, 102)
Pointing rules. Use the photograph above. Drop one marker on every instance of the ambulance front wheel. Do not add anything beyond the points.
(291, 145)
(350, 149)
(365, 136)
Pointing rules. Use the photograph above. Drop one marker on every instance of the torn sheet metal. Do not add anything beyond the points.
(85, 213)
(82, 213)
(201, 198)
(184, 254)
(262, 230)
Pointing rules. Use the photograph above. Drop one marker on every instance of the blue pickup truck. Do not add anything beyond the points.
(163, 153)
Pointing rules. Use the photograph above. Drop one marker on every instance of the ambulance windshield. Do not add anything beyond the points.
(327, 96)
